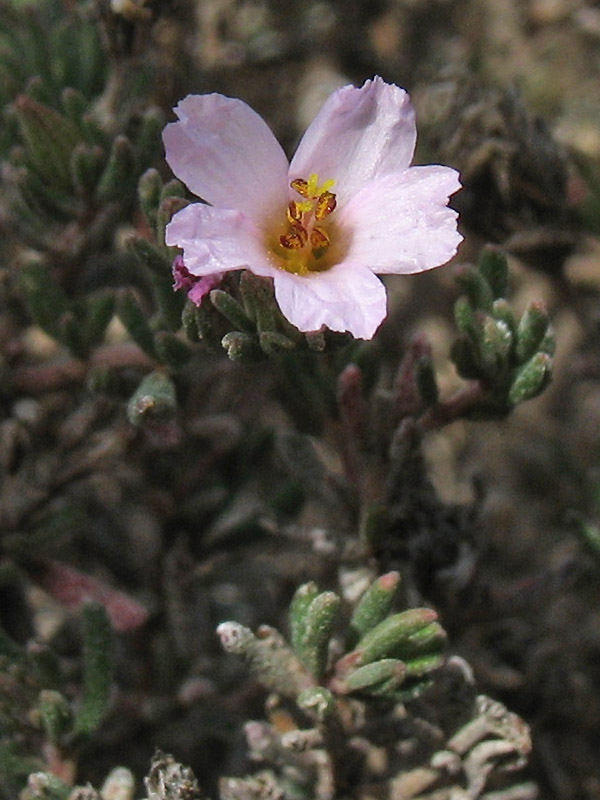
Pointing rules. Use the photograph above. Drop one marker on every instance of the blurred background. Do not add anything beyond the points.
(203, 515)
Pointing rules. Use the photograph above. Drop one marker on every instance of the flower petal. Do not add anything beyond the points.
(401, 223)
(216, 240)
(347, 297)
(357, 136)
(204, 286)
(226, 154)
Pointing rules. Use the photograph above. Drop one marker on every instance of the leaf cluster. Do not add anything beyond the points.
(36, 709)
(44, 49)
(510, 358)
(380, 654)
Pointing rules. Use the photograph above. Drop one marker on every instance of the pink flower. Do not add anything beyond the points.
(348, 206)
(197, 287)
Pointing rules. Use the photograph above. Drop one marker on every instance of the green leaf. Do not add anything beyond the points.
(56, 715)
(464, 356)
(379, 677)
(392, 634)
(373, 606)
(241, 346)
(171, 350)
(493, 266)
(149, 256)
(98, 670)
(50, 139)
(150, 188)
(301, 601)
(495, 345)
(86, 166)
(274, 344)
(417, 667)
(44, 297)
(320, 618)
(531, 331)
(134, 320)
(318, 701)
(476, 288)
(464, 317)
(99, 312)
(259, 301)
(116, 181)
(531, 379)
(231, 310)
(155, 398)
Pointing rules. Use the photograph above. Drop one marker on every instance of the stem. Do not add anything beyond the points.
(50, 377)
(447, 411)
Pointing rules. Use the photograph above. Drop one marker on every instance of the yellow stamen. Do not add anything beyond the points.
(307, 244)
(325, 187)
(313, 182)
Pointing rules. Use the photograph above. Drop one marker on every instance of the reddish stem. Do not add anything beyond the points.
(60, 374)
(447, 411)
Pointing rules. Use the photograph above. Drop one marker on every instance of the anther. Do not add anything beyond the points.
(319, 239)
(301, 186)
(294, 212)
(325, 204)
(295, 239)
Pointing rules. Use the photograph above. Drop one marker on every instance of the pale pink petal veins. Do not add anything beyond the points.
(226, 154)
(347, 297)
(217, 240)
(401, 223)
(357, 136)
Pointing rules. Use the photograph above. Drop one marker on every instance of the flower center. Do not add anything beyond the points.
(305, 244)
